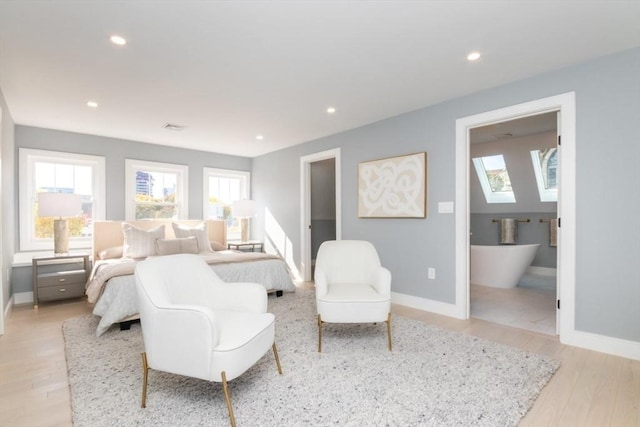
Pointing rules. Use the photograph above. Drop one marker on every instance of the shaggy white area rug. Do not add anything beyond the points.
(432, 378)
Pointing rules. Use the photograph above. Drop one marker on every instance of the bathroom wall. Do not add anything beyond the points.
(516, 152)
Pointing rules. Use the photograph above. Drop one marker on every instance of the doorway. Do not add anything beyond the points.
(514, 175)
(565, 104)
(320, 209)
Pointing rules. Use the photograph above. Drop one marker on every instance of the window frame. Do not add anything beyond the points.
(245, 178)
(490, 195)
(27, 158)
(182, 184)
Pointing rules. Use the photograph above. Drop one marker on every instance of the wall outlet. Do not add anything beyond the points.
(431, 273)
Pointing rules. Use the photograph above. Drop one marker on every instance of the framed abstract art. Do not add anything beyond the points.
(395, 187)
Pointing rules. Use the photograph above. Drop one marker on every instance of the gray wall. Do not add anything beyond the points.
(607, 196)
(7, 201)
(115, 151)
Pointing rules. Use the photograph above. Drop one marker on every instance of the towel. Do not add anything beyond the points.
(553, 232)
(508, 231)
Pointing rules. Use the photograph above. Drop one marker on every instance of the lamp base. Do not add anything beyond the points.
(60, 237)
(244, 227)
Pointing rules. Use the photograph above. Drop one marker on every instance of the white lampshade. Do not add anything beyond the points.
(61, 205)
(243, 208)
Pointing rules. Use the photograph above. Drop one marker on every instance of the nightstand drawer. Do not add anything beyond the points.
(62, 278)
(50, 293)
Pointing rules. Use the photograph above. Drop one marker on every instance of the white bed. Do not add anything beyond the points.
(111, 286)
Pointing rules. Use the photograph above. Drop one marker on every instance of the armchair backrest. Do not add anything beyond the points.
(177, 279)
(164, 286)
(347, 261)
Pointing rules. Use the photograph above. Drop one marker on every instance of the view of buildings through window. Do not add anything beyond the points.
(156, 195)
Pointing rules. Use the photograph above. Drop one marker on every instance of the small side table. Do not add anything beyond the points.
(64, 281)
(248, 246)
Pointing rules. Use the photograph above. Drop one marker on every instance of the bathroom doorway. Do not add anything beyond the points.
(566, 233)
(515, 158)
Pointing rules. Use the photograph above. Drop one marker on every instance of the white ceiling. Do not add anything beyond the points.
(229, 70)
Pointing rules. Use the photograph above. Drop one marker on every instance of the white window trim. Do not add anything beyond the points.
(229, 173)
(182, 185)
(489, 194)
(546, 194)
(27, 159)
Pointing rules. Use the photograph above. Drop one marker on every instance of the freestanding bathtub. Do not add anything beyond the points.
(500, 266)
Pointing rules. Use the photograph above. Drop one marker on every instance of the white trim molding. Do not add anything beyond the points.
(424, 304)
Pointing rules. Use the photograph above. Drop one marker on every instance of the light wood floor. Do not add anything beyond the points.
(589, 389)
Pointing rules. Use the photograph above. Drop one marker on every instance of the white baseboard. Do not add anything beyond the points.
(425, 304)
(23, 298)
(586, 340)
(602, 344)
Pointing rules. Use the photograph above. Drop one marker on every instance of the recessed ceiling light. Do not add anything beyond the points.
(259, 137)
(473, 56)
(92, 104)
(120, 41)
(331, 110)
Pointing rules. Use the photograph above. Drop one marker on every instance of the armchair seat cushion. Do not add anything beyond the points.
(352, 292)
(353, 303)
(237, 329)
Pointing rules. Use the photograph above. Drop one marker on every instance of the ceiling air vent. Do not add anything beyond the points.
(171, 126)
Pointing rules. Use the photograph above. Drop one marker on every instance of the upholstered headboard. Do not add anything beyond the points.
(107, 234)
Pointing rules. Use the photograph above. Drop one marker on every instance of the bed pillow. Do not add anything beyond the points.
(139, 243)
(184, 245)
(198, 232)
(109, 253)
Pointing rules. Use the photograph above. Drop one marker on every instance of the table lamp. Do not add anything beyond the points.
(60, 206)
(244, 209)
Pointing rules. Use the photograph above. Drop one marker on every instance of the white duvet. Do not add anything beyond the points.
(118, 300)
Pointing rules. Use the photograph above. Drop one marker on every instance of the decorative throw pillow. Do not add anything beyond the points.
(139, 243)
(217, 246)
(184, 245)
(109, 253)
(198, 232)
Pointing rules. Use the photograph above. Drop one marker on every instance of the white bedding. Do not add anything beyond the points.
(118, 299)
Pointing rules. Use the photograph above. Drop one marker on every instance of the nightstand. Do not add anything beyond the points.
(59, 277)
(248, 246)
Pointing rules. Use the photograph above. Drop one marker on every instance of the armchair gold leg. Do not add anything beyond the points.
(145, 376)
(319, 334)
(389, 330)
(227, 398)
(275, 353)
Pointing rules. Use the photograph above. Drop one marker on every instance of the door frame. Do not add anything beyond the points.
(305, 205)
(565, 104)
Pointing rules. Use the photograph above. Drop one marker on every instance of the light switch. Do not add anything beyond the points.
(445, 207)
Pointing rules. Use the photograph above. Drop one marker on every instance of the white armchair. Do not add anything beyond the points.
(351, 285)
(196, 325)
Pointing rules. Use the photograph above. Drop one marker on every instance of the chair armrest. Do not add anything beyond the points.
(241, 296)
(181, 339)
(320, 279)
(381, 281)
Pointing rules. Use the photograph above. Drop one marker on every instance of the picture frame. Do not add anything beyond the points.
(393, 187)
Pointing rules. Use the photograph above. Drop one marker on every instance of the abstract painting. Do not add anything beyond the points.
(394, 187)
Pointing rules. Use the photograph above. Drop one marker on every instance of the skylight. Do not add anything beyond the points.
(494, 179)
(545, 167)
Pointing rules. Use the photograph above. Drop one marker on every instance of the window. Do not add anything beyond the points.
(156, 190)
(59, 172)
(545, 167)
(221, 188)
(494, 179)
